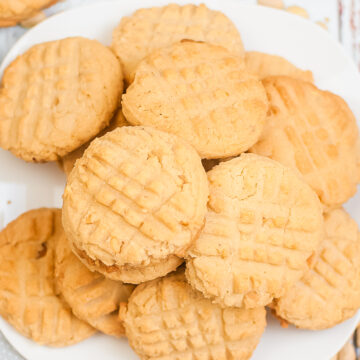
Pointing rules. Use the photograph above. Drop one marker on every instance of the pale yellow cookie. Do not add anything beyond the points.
(201, 93)
(67, 162)
(134, 203)
(14, 11)
(91, 296)
(149, 29)
(57, 96)
(167, 319)
(315, 132)
(263, 224)
(330, 292)
(28, 299)
(265, 65)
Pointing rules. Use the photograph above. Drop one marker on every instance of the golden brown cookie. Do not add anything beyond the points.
(57, 96)
(14, 11)
(263, 224)
(150, 29)
(315, 132)
(91, 296)
(67, 162)
(202, 93)
(28, 299)
(265, 65)
(330, 292)
(167, 319)
(134, 203)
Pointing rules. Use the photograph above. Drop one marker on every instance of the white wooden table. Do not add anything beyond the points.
(341, 18)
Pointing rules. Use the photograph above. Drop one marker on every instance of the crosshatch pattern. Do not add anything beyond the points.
(138, 195)
(28, 297)
(315, 132)
(257, 242)
(329, 292)
(149, 29)
(348, 29)
(202, 93)
(167, 319)
(57, 96)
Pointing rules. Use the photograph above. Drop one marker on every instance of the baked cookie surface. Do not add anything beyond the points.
(14, 11)
(167, 319)
(263, 224)
(202, 93)
(265, 65)
(91, 296)
(330, 292)
(134, 203)
(68, 161)
(149, 29)
(57, 96)
(28, 299)
(315, 132)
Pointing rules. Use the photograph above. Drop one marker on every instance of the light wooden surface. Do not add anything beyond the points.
(341, 18)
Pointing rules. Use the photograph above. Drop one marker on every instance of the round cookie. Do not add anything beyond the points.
(167, 319)
(134, 203)
(91, 296)
(263, 224)
(57, 96)
(67, 162)
(14, 11)
(265, 65)
(330, 292)
(202, 93)
(28, 299)
(315, 132)
(149, 29)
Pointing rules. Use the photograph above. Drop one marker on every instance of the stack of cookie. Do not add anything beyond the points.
(214, 185)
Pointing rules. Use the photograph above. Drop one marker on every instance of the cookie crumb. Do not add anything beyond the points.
(298, 10)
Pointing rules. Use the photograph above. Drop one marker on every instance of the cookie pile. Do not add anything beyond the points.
(212, 188)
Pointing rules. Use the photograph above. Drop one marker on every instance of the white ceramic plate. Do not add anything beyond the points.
(25, 186)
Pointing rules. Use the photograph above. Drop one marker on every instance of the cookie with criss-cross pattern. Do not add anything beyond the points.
(202, 93)
(167, 319)
(28, 298)
(134, 203)
(315, 132)
(57, 96)
(146, 30)
(263, 224)
(330, 292)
